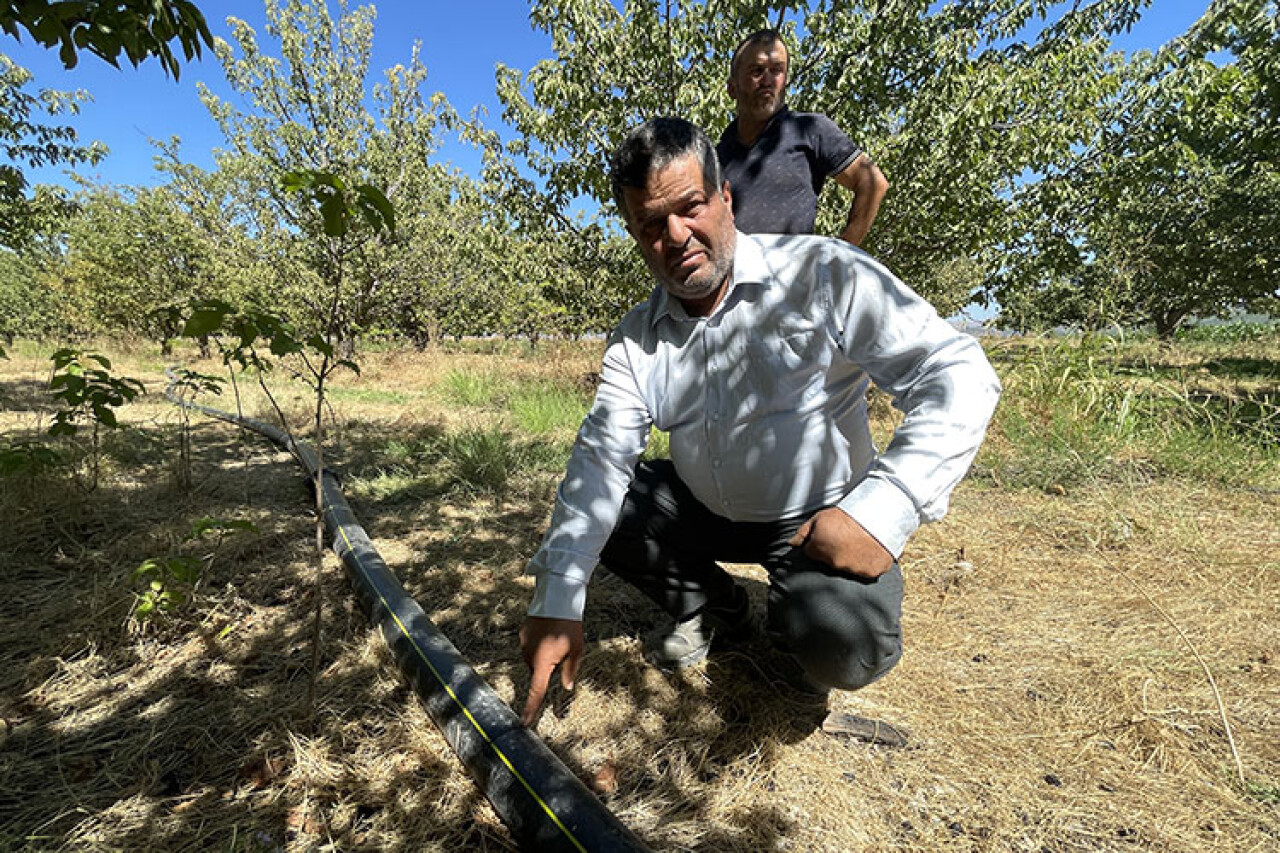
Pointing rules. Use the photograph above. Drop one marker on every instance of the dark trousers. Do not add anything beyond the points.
(843, 631)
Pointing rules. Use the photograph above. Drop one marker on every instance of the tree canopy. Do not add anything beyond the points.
(1172, 209)
(1033, 167)
(958, 102)
(134, 29)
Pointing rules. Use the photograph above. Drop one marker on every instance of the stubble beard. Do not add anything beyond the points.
(701, 283)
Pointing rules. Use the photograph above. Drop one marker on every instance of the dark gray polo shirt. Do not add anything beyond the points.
(775, 183)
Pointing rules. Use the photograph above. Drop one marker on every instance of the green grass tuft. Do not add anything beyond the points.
(468, 388)
(485, 459)
(544, 408)
(1080, 410)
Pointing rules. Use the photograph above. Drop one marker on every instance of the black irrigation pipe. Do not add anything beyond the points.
(544, 805)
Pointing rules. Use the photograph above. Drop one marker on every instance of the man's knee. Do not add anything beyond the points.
(844, 633)
(852, 668)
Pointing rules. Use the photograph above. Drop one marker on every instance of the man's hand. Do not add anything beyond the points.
(547, 643)
(832, 537)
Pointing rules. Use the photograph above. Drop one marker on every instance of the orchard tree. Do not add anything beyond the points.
(306, 112)
(34, 301)
(243, 266)
(138, 258)
(578, 265)
(1173, 210)
(960, 103)
(28, 141)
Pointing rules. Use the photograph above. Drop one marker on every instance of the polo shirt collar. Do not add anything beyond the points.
(783, 110)
(731, 132)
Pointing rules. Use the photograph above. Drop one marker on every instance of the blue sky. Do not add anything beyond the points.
(461, 43)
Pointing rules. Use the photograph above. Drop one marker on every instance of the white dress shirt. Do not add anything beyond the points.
(765, 404)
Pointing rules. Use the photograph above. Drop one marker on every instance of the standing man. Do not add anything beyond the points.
(754, 354)
(776, 161)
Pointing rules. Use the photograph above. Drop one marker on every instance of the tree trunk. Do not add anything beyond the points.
(1167, 323)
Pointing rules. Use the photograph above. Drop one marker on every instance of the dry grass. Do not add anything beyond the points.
(1050, 705)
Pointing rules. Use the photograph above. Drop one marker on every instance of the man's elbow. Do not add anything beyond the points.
(876, 184)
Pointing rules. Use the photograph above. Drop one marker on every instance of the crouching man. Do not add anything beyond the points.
(754, 353)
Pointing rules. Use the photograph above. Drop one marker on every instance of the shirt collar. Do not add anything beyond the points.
(749, 267)
(731, 132)
(775, 118)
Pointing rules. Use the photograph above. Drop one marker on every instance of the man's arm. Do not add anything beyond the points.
(940, 380)
(609, 442)
(868, 184)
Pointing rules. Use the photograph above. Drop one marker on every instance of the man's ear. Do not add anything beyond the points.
(732, 88)
(727, 196)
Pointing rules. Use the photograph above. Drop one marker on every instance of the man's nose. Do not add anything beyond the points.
(677, 231)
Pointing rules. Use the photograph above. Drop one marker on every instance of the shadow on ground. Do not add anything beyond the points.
(199, 733)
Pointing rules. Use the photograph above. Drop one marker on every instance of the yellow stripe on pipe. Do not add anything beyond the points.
(474, 722)
(238, 419)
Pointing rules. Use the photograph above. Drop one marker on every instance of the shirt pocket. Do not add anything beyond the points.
(785, 372)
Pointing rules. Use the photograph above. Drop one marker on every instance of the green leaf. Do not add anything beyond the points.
(318, 343)
(105, 416)
(148, 567)
(283, 344)
(203, 321)
(298, 180)
(334, 213)
(377, 210)
(185, 569)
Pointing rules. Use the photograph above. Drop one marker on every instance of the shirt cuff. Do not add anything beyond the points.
(558, 597)
(885, 510)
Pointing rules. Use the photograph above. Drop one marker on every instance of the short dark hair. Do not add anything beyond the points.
(652, 146)
(760, 38)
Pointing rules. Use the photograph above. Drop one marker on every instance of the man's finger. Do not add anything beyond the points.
(802, 534)
(569, 670)
(537, 694)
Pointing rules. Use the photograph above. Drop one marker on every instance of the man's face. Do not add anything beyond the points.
(758, 82)
(685, 234)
